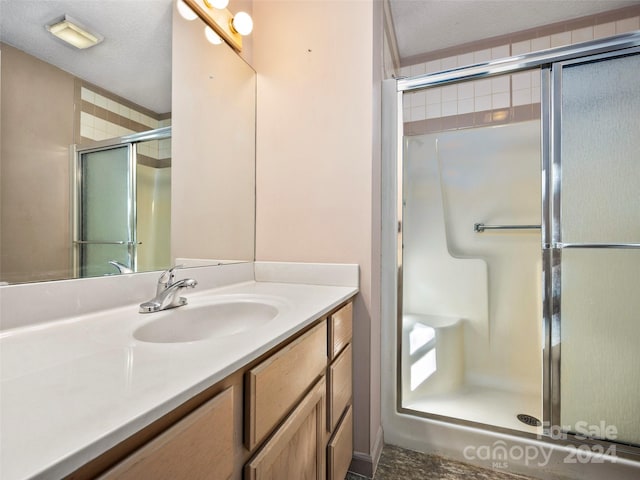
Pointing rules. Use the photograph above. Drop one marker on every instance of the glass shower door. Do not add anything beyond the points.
(595, 243)
(106, 216)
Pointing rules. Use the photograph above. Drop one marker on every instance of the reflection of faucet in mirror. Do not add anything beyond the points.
(122, 268)
(167, 293)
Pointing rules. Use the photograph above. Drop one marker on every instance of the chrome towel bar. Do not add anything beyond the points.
(118, 242)
(481, 227)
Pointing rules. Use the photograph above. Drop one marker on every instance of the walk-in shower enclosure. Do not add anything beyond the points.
(511, 240)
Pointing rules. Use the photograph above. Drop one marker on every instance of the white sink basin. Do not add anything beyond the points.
(203, 320)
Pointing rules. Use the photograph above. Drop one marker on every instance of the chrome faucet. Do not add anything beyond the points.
(167, 292)
(122, 268)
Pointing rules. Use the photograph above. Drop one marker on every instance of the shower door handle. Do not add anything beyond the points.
(481, 227)
(595, 245)
(97, 242)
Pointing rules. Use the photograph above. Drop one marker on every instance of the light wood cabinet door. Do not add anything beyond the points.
(340, 329)
(340, 448)
(200, 446)
(297, 449)
(339, 386)
(277, 384)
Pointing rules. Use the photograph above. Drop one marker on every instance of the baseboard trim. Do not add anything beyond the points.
(365, 464)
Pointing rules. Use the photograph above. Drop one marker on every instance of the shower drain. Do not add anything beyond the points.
(529, 420)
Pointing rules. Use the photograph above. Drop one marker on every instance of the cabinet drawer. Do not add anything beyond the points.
(198, 446)
(340, 330)
(297, 449)
(278, 383)
(339, 390)
(340, 448)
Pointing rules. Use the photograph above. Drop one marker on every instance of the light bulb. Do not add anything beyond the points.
(219, 4)
(185, 11)
(212, 36)
(242, 23)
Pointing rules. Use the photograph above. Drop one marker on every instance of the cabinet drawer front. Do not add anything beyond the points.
(340, 448)
(340, 329)
(340, 386)
(278, 383)
(297, 449)
(198, 446)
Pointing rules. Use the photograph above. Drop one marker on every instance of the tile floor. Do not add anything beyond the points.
(400, 464)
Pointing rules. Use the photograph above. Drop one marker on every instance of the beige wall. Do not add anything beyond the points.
(37, 130)
(317, 176)
(213, 148)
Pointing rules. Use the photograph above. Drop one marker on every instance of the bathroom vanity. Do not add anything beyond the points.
(112, 395)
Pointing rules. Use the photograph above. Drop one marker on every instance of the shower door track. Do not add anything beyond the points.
(615, 45)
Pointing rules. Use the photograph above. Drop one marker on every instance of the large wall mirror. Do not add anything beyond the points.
(125, 156)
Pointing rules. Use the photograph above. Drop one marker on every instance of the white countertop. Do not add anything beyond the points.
(72, 389)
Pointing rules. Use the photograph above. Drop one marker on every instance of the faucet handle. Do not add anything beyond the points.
(166, 278)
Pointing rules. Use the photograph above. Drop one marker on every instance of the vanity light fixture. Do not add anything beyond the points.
(185, 12)
(242, 23)
(219, 4)
(227, 26)
(212, 36)
(74, 33)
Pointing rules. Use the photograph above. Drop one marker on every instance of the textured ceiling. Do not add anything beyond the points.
(424, 26)
(133, 61)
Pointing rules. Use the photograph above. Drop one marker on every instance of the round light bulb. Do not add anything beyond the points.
(185, 11)
(242, 23)
(212, 36)
(219, 3)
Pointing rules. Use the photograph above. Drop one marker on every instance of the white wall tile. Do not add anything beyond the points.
(405, 71)
(482, 87)
(449, 63)
(465, 59)
(521, 80)
(535, 78)
(406, 114)
(434, 95)
(535, 94)
(519, 48)
(86, 119)
(502, 51)
(449, 108)
(417, 113)
(449, 93)
(88, 95)
(483, 103)
(501, 100)
(541, 43)
(560, 39)
(465, 105)
(582, 35)
(604, 30)
(522, 97)
(417, 69)
(482, 56)
(434, 110)
(628, 25)
(124, 111)
(500, 84)
(113, 106)
(417, 99)
(465, 90)
(101, 101)
(433, 66)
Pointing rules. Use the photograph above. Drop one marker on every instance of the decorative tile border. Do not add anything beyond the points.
(484, 102)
